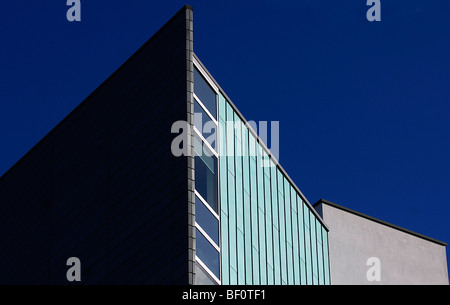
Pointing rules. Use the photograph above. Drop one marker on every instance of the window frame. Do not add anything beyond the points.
(207, 271)
(216, 90)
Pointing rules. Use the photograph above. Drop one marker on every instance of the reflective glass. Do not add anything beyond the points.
(202, 277)
(207, 253)
(206, 220)
(206, 173)
(204, 124)
(205, 93)
(312, 227)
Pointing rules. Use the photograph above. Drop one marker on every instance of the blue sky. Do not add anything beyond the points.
(364, 107)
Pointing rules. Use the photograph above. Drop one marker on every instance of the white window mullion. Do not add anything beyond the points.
(207, 237)
(204, 267)
(205, 109)
(206, 76)
(206, 204)
(206, 142)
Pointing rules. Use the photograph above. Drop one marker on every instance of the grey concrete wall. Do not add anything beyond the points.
(404, 258)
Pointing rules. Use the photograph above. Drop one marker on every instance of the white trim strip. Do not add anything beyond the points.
(204, 267)
(207, 237)
(205, 76)
(204, 108)
(206, 204)
(206, 142)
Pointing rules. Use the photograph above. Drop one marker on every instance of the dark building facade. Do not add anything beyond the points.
(103, 185)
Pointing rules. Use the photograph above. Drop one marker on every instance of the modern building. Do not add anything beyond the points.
(157, 178)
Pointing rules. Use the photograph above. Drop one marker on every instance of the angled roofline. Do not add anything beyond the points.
(104, 83)
(332, 204)
(263, 145)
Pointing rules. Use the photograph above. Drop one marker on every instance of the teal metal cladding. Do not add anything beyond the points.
(269, 234)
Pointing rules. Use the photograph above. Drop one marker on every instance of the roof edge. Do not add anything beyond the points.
(263, 145)
(324, 201)
(99, 87)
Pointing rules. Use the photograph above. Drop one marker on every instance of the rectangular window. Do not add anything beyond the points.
(206, 173)
(202, 277)
(205, 125)
(205, 93)
(207, 221)
(207, 253)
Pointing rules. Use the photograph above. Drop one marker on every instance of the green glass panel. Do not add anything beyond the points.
(232, 223)
(256, 279)
(289, 249)
(269, 237)
(312, 225)
(319, 253)
(309, 271)
(241, 258)
(229, 128)
(281, 215)
(261, 218)
(295, 230)
(254, 216)
(233, 276)
(239, 200)
(276, 256)
(301, 240)
(275, 226)
(248, 239)
(247, 207)
(222, 107)
(224, 250)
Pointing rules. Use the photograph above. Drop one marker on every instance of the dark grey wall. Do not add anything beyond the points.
(103, 185)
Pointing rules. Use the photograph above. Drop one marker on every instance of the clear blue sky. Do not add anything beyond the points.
(364, 108)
